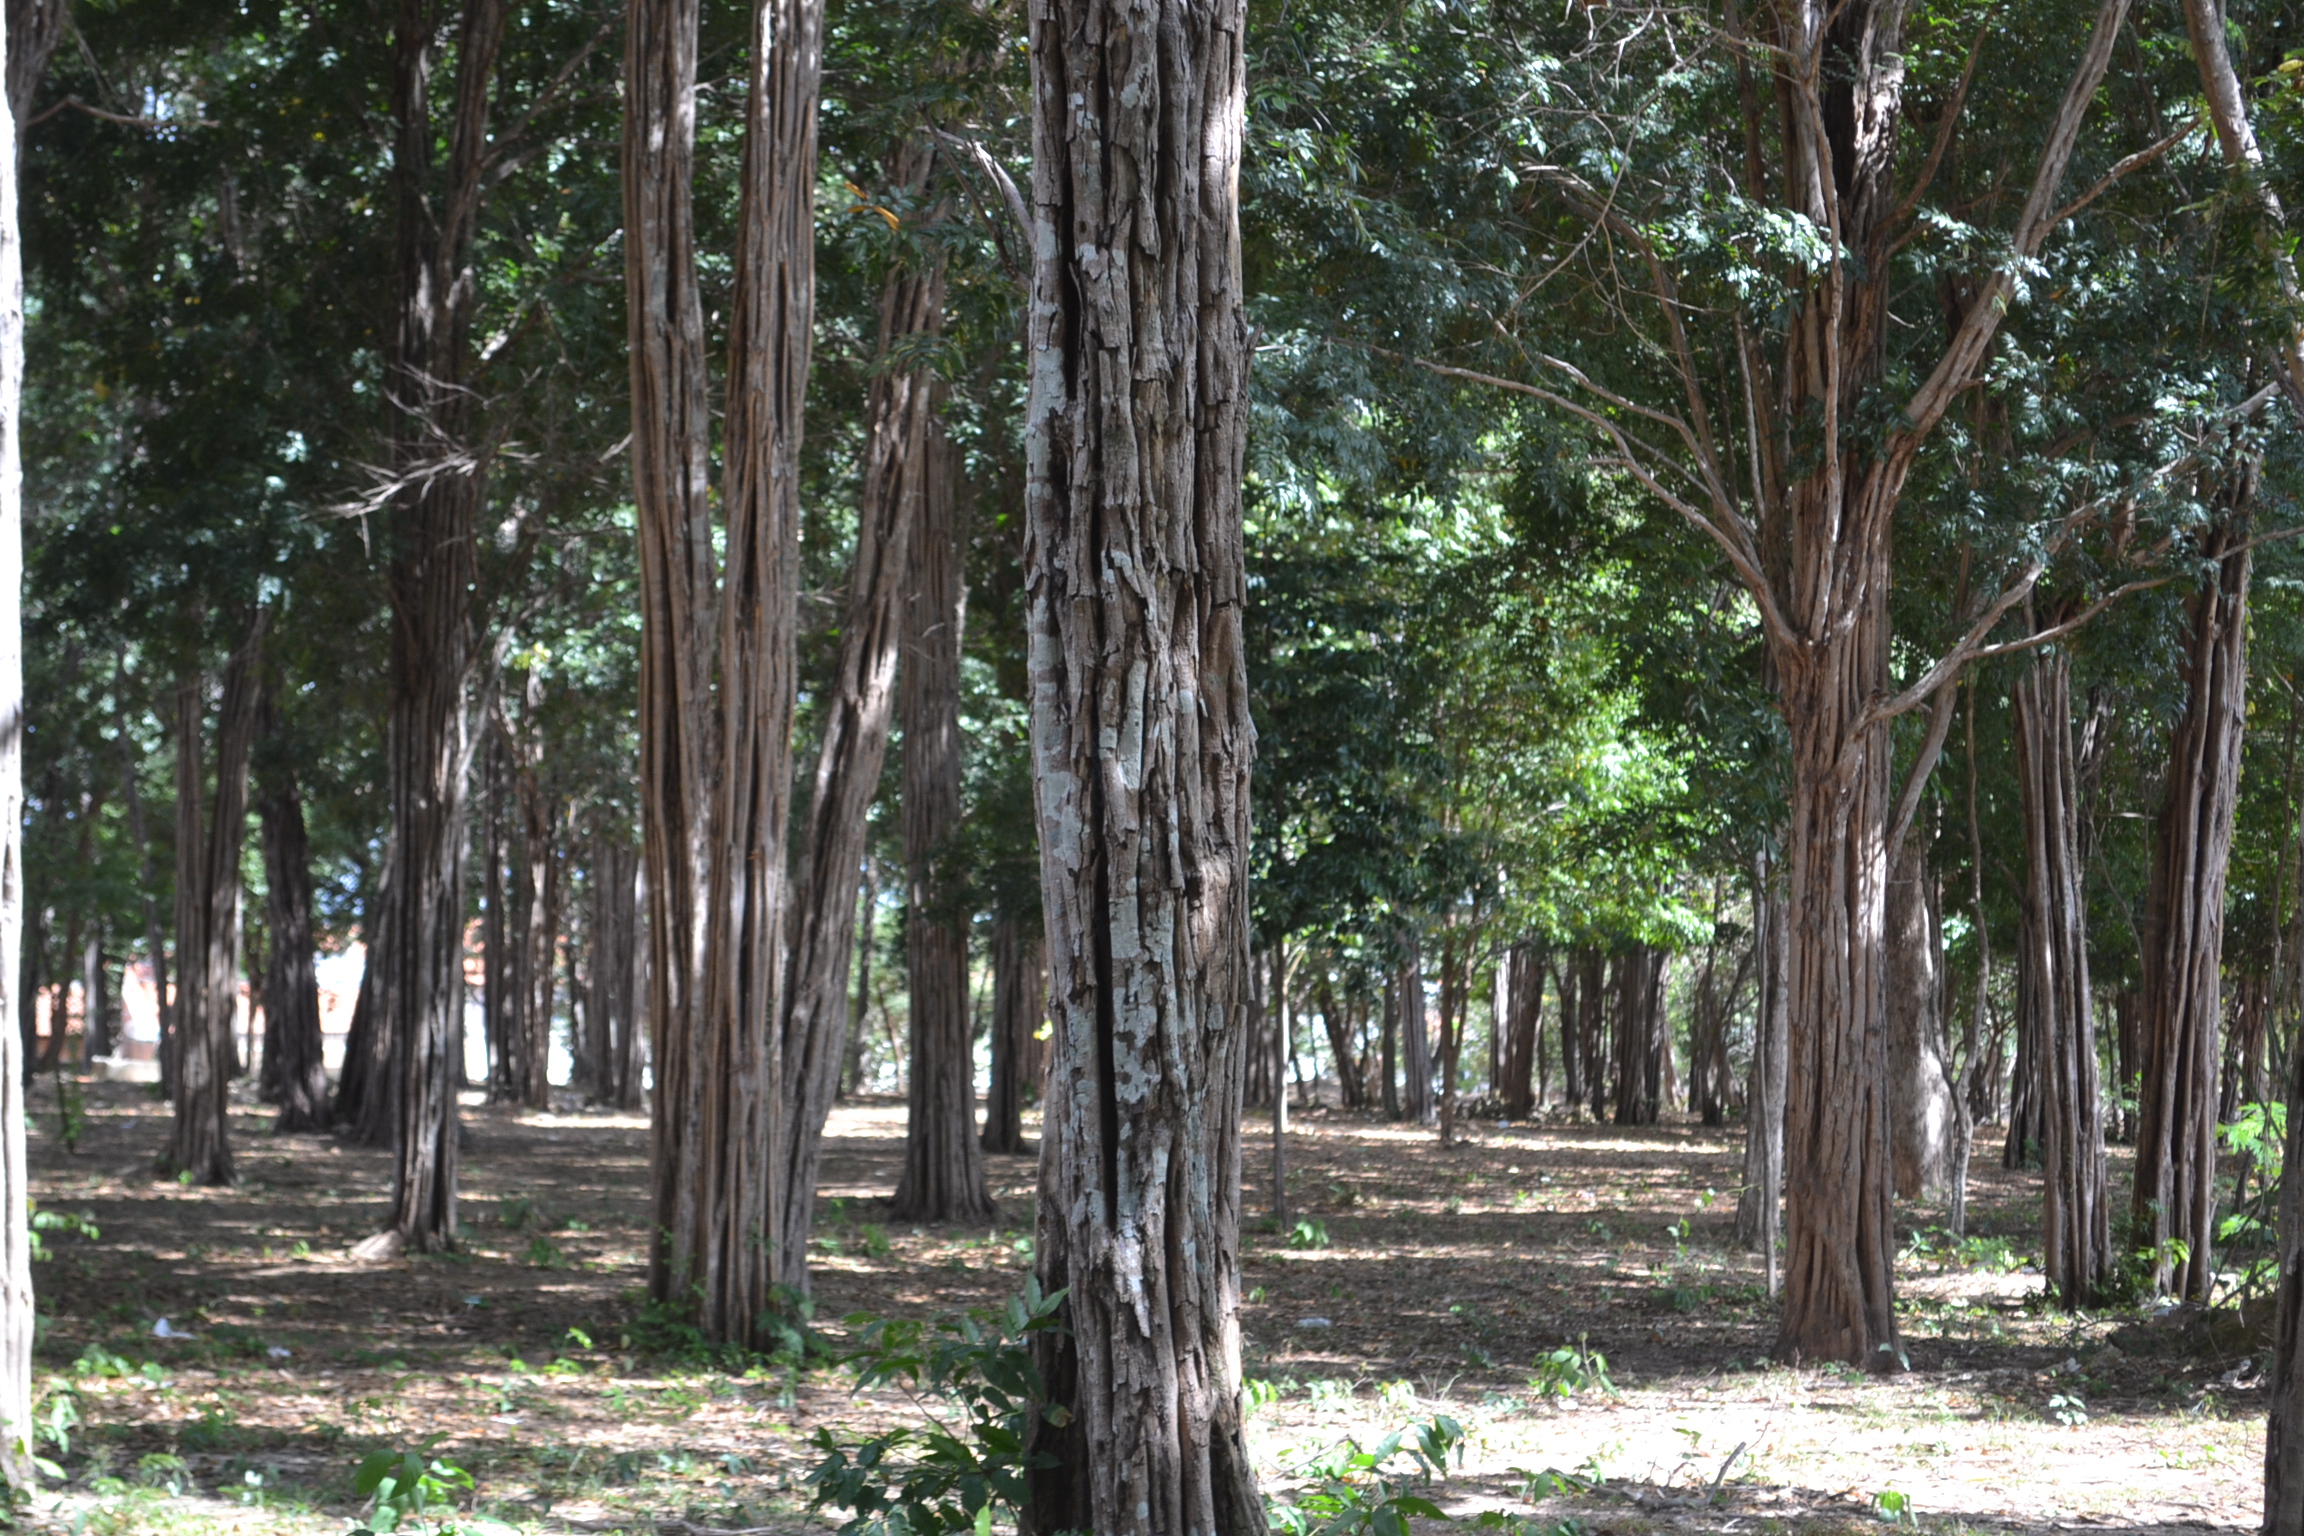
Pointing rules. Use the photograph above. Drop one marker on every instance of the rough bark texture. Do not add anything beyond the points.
(155, 943)
(96, 999)
(943, 1178)
(1019, 1003)
(1141, 740)
(292, 1041)
(438, 473)
(524, 1032)
(16, 1323)
(2076, 1232)
(2183, 937)
(367, 1093)
(612, 1012)
(671, 492)
(1920, 1105)
(499, 958)
(717, 667)
(906, 481)
(208, 842)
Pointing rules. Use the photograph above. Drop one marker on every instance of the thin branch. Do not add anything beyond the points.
(74, 103)
(2142, 157)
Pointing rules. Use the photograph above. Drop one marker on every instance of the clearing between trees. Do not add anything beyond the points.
(1571, 1294)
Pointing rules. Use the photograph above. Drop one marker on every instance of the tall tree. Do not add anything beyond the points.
(437, 467)
(2076, 1232)
(906, 474)
(16, 1320)
(943, 1178)
(1019, 1003)
(717, 697)
(1135, 582)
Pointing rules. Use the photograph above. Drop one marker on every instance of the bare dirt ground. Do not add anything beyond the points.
(1418, 1282)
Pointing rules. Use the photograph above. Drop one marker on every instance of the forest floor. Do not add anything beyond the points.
(1420, 1282)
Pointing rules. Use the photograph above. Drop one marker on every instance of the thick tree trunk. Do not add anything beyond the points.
(1568, 972)
(1415, 1037)
(943, 1178)
(1641, 1036)
(291, 985)
(1141, 743)
(907, 471)
(1019, 1002)
(2183, 938)
(2076, 1232)
(1920, 1105)
(16, 1316)
(209, 836)
(1593, 993)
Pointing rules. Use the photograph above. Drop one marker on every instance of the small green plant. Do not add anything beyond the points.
(516, 1212)
(1308, 1234)
(543, 1253)
(952, 1477)
(406, 1488)
(2067, 1410)
(1257, 1393)
(81, 1225)
(1571, 1369)
(1895, 1508)
(875, 1241)
(96, 1360)
(1375, 1490)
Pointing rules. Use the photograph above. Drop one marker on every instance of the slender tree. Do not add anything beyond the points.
(16, 1320)
(2076, 1225)
(1135, 582)
(293, 1061)
(943, 1178)
(209, 835)
(1019, 1003)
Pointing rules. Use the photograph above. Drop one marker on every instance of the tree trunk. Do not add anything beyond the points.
(428, 359)
(2076, 1231)
(1760, 1207)
(155, 943)
(291, 985)
(1452, 976)
(208, 841)
(1019, 1002)
(943, 1178)
(907, 471)
(1568, 971)
(1920, 1106)
(368, 1093)
(1351, 1076)
(499, 960)
(536, 912)
(2183, 937)
(1521, 1021)
(96, 999)
(1283, 1050)
(1141, 743)
(16, 1312)
(1642, 1039)
(867, 936)
(1390, 1050)
(1415, 1036)
(1592, 994)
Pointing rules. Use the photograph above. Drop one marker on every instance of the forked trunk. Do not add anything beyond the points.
(1141, 743)
(2183, 939)
(209, 837)
(291, 984)
(1019, 1002)
(906, 470)
(2076, 1232)
(943, 1178)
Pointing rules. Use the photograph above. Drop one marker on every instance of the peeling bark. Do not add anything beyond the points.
(1141, 740)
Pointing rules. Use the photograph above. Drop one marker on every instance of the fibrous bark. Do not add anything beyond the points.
(1760, 1206)
(1135, 585)
(905, 485)
(208, 842)
(1641, 1035)
(2076, 1232)
(292, 1042)
(943, 1178)
(1416, 1101)
(2183, 937)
